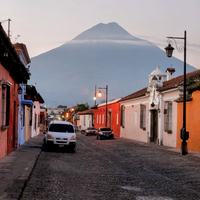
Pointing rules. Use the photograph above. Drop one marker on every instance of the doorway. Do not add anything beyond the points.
(110, 120)
(154, 126)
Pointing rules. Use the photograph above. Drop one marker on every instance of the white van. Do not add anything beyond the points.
(60, 134)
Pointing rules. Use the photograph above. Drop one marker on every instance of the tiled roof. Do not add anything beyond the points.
(109, 102)
(86, 112)
(173, 83)
(137, 94)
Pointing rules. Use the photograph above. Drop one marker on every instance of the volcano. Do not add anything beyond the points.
(105, 54)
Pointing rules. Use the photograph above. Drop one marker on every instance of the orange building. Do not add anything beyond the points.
(192, 122)
(113, 116)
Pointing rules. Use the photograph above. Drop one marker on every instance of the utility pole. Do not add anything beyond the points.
(9, 20)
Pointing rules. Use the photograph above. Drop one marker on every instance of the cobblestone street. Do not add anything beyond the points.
(114, 169)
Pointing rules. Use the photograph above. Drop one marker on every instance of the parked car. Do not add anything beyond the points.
(60, 134)
(104, 132)
(90, 130)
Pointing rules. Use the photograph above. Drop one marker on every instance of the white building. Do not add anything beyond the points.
(150, 115)
(86, 119)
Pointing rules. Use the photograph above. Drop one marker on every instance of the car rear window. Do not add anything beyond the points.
(61, 128)
(91, 129)
(105, 129)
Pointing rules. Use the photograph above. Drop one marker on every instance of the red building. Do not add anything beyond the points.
(113, 116)
(12, 72)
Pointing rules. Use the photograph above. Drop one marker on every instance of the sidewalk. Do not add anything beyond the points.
(16, 168)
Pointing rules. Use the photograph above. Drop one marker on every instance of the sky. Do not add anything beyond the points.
(46, 24)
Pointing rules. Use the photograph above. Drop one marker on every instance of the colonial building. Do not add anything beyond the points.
(150, 115)
(86, 119)
(113, 116)
(12, 73)
(192, 113)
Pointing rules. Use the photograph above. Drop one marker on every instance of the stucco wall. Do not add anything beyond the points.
(132, 128)
(192, 122)
(36, 110)
(114, 117)
(88, 121)
(169, 139)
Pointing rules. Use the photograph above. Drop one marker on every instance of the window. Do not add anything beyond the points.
(168, 117)
(7, 105)
(117, 119)
(123, 116)
(102, 119)
(62, 128)
(99, 119)
(143, 117)
(3, 110)
(5, 115)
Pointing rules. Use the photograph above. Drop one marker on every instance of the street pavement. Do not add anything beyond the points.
(101, 159)
(120, 169)
(16, 168)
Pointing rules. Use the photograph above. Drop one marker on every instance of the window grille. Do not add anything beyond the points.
(123, 116)
(168, 117)
(3, 110)
(143, 117)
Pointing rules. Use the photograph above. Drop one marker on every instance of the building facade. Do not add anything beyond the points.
(12, 73)
(150, 115)
(113, 116)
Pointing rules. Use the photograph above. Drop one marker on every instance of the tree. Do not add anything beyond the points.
(82, 107)
(61, 106)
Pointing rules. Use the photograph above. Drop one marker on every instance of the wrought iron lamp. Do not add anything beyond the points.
(169, 50)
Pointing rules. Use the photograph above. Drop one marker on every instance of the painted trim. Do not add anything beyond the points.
(172, 97)
(134, 99)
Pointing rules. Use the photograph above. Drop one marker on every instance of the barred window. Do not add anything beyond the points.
(143, 117)
(7, 105)
(99, 119)
(168, 117)
(5, 115)
(123, 116)
(102, 119)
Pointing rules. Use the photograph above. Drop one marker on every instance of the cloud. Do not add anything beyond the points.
(131, 42)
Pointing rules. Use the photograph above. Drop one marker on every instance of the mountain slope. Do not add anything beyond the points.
(104, 55)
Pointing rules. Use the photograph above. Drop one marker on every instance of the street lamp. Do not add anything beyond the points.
(99, 94)
(95, 98)
(183, 133)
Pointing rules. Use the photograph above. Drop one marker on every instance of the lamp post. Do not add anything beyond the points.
(183, 133)
(95, 98)
(99, 94)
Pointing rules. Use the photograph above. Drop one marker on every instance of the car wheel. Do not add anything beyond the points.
(82, 132)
